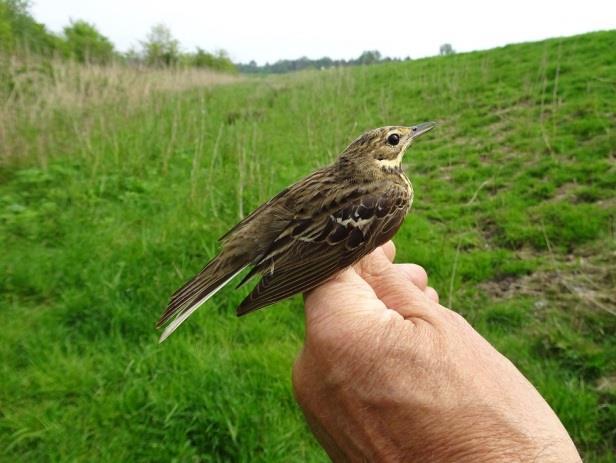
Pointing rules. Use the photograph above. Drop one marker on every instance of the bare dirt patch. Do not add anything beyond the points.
(586, 281)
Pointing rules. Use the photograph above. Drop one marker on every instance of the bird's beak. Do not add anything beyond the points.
(420, 129)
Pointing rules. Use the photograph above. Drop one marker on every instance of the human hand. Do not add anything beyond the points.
(388, 374)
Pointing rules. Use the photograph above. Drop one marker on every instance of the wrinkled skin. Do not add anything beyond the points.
(414, 382)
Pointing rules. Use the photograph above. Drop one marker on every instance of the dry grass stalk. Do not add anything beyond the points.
(34, 91)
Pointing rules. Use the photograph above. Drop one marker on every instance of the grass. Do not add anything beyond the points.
(106, 208)
(47, 104)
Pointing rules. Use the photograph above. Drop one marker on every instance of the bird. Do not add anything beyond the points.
(311, 230)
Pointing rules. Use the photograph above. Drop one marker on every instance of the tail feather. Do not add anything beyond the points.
(198, 286)
(191, 296)
(204, 277)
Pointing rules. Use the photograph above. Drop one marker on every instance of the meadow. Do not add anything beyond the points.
(114, 187)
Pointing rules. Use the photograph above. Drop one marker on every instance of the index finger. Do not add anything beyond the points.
(400, 286)
(345, 294)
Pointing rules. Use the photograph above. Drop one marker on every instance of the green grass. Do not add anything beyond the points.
(514, 219)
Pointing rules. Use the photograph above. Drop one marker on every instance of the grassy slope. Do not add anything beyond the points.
(514, 220)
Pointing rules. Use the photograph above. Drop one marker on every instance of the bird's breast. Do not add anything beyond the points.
(407, 184)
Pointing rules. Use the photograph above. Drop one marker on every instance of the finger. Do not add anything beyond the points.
(396, 287)
(377, 261)
(389, 249)
(399, 293)
(415, 273)
(345, 294)
(431, 294)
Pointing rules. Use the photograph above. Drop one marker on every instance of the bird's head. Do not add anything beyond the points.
(383, 147)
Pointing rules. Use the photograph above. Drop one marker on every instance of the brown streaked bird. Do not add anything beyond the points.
(311, 230)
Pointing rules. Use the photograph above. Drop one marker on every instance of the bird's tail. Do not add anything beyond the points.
(196, 292)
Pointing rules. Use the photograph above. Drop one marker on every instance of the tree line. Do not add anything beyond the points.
(366, 58)
(81, 41)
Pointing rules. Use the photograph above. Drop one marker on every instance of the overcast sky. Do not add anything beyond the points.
(268, 30)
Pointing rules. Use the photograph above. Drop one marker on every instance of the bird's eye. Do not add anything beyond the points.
(393, 139)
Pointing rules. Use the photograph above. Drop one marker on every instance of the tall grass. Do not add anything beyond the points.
(47, 104)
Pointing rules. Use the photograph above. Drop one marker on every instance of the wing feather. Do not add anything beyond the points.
(355, 229)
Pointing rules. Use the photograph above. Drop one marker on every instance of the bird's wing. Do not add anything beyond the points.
(242, 245)
(308, 183)
(246, 220)
(314, 248)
